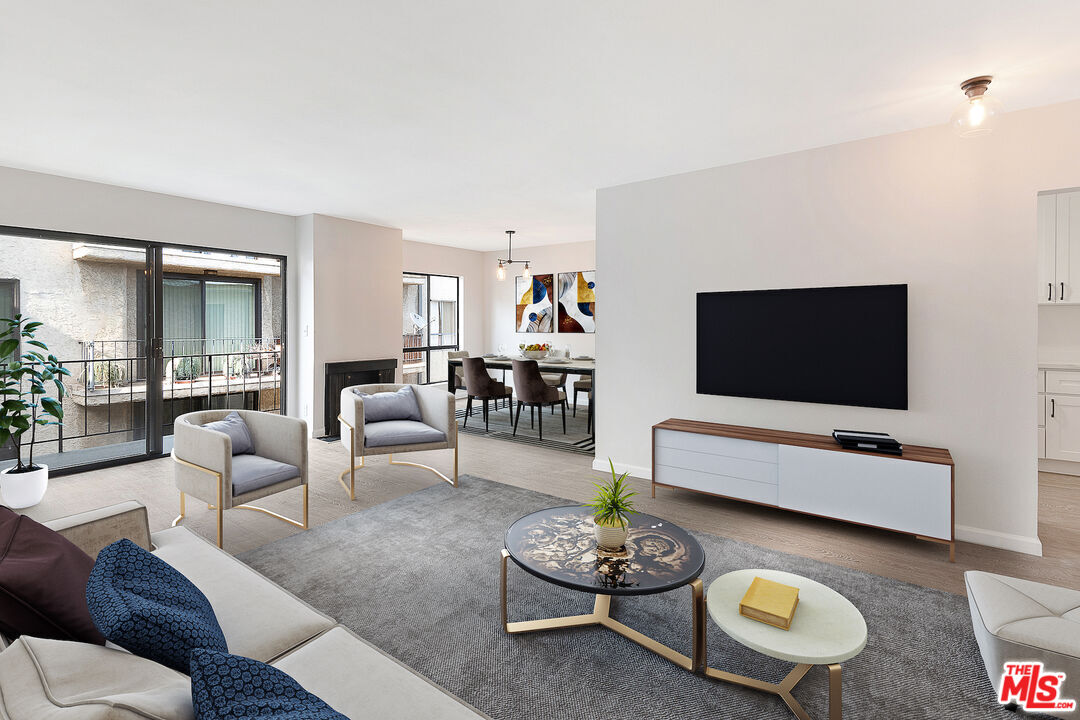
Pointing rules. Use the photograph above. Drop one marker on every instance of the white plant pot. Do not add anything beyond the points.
(609, 538)
(25, 489)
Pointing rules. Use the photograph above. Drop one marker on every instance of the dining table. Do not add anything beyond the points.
(572, 366)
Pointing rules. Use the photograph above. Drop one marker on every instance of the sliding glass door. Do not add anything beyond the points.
(430, 316)
(148, 332)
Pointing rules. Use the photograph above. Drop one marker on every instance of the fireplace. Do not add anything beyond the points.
(341, 375)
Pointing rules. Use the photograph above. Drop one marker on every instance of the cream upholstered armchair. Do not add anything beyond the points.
(211, 465)
(432, 427)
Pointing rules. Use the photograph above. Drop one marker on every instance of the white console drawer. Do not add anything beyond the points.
(756, 470)
(732, 487)
(1040, 409)
(892, 493)
(1063, 382)
(716, 445)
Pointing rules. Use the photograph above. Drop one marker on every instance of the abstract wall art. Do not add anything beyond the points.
(577, 302)
(535, 307)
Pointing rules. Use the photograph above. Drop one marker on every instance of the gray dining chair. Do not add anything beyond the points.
(533, 392)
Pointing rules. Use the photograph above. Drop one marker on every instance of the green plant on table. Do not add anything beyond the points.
(612, 504)
(25, 402)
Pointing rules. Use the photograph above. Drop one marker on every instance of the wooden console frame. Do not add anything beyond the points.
(915, 453)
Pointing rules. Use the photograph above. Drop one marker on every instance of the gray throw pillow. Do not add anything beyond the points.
(234, 426)
(400, 405)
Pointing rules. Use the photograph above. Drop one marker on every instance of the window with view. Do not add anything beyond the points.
(430, 315)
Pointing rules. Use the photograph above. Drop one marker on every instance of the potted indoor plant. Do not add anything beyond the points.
(611, 505)
(25, 404)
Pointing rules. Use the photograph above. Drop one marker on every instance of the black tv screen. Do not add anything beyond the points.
(837, 345)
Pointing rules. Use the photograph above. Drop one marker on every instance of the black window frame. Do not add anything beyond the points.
(204, 278)
(426, 349)
(14, 284)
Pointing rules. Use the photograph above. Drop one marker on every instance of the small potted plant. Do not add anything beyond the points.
(25, 404)
(611, 506)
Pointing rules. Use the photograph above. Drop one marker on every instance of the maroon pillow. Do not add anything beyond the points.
(42, 582)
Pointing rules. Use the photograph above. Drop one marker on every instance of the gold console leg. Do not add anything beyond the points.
(601, 615)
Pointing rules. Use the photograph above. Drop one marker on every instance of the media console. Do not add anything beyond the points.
(810, 474)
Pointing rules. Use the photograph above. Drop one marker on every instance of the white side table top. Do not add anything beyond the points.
(826, 628)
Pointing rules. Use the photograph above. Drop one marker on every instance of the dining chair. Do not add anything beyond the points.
(459, 370)
(584, 385)
(555, 380)
(482, 386)
(534, 392)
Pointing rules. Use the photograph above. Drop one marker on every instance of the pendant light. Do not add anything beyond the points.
(500, 272)
(976, 115)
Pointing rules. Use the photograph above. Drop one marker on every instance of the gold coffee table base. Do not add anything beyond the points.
(601, 615)
(698, 664)
(784, 687)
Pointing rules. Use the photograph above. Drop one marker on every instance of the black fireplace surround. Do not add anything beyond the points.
(340, 375)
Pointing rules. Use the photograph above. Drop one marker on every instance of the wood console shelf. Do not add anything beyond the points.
(810, 474)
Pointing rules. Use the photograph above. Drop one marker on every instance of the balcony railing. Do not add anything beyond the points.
(108, 385)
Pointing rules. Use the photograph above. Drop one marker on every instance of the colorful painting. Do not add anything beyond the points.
(535, 309)
(577, 302)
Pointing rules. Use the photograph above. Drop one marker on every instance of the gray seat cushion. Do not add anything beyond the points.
(400, 432)
(251, 472)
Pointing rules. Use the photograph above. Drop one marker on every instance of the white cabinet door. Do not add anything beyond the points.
(1047, 229)
(1063, 427)
(904, 495)
(1067, 243)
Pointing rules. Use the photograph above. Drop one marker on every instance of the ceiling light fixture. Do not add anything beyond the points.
(976, 115)
(500, 273)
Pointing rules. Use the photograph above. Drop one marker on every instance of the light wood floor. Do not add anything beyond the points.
(570, 476)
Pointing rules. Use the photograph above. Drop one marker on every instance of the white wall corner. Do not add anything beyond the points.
(1030, 545)
(638, 471)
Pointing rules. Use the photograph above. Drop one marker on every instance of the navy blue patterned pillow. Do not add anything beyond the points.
(230, 687)
(144, 605)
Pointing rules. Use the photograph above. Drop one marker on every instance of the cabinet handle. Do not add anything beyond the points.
(1051, 407)
(1062, 295)
(1049, 292)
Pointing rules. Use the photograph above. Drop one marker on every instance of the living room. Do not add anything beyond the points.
(337, 232)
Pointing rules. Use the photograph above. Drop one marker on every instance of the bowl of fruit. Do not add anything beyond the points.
(535, 351)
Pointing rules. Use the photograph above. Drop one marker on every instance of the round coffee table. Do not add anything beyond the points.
(557, 545)
(826, 630)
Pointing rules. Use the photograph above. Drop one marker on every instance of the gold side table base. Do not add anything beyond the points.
(601, 615)
(784, 687)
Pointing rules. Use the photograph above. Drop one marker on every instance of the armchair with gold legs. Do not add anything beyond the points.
(436, 429)
(207, 469)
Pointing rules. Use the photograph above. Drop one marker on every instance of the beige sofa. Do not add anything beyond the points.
(46, 679)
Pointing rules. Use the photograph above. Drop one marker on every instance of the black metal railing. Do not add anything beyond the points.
(106, 394)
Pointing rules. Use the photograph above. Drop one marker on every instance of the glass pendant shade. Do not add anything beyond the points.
(526, 273)
(978, 113)
(501, 272)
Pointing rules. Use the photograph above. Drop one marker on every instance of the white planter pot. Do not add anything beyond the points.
(23, 490)
(609, 538)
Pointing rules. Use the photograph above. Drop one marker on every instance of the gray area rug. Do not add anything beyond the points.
(576, 439)
(419, 577)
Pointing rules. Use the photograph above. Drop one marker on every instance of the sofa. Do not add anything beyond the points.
(62, 680)
(1018, 620)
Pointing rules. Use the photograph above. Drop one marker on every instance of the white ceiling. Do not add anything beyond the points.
(455, 119)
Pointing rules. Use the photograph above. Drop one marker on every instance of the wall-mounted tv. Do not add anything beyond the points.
(835, 345)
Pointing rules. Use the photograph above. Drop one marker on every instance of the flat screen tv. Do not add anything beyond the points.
(836, 345)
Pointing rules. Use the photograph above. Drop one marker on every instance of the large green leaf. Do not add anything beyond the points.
(7, 347)
(53, 407)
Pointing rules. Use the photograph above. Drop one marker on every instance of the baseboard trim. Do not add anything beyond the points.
(1006, 541)
(1061, 467)
(638, 471)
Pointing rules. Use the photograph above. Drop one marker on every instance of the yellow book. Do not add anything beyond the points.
(770, 602)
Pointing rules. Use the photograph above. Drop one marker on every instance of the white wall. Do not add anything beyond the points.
(955, 219)
(502, 300)
(354, 311)
(1059, 333)
(467, 265)
(50, 202)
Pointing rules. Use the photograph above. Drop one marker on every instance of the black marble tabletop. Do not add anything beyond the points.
(557, 544)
